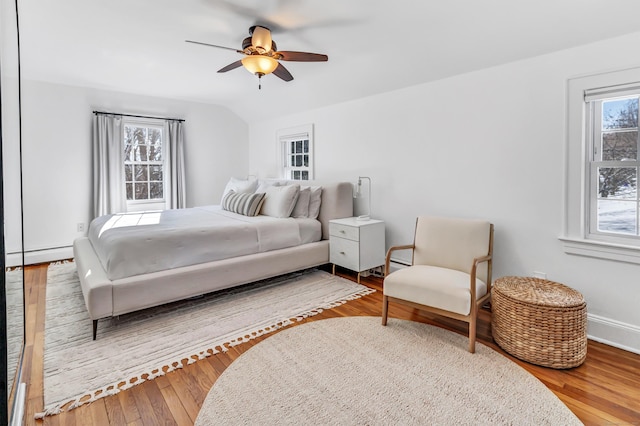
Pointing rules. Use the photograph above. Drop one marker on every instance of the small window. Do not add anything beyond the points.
(144, 165)
(296, 147)
(613, 166)
(602, 205)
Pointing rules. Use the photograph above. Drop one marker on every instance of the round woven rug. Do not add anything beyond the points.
(355, 371)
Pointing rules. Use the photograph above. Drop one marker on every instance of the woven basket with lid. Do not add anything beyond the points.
(539, 321)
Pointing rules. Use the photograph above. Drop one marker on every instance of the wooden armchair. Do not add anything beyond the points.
(450, 273)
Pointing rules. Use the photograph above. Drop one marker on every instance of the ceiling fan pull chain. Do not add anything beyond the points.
(259, 81)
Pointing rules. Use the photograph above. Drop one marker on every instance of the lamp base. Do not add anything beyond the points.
(363, 217)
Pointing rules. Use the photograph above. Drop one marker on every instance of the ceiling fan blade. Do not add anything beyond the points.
(232, 66)
(214, 45)
(283, 73)
(301, 56)
(261, 38)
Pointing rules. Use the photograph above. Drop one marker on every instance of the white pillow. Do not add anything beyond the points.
(301, 209)
(314, 201)
(239, 186)
(279, 201)
(263, 184)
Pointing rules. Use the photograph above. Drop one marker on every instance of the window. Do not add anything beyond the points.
(612, 136)
(144, 163)
(296, 148)
(602, 204)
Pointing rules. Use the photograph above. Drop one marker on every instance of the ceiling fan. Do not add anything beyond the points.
(262, 55)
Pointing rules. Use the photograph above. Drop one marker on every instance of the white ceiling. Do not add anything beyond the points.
(137, 46)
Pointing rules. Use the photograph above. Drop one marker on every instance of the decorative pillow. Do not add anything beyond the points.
(301, 208)
(314, 201)
(279, 201)
(240, 186)
(245, 204)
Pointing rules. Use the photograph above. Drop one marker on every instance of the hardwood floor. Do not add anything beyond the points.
(605, 390)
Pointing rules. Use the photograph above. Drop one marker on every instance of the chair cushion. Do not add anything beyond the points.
(442, 288)
(452, 243)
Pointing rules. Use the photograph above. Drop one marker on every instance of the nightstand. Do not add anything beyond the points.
(356, 244)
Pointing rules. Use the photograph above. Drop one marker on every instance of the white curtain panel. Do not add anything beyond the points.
(108, 165)
(175, 143)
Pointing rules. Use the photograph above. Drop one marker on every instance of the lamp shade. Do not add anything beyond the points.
(259, 64)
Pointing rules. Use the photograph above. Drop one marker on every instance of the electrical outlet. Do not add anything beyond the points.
(80, 227)
(541, 275)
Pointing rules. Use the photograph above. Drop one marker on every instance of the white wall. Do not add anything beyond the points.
(486, 144)
(57, 160)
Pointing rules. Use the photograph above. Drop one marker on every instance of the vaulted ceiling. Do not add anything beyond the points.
(138, 46)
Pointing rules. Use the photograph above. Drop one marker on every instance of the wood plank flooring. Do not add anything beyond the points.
(605, 390)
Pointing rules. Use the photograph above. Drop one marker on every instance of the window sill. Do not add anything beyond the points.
(601, 250)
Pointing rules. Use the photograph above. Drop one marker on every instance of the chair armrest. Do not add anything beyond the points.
(472, 283)
(392, 249)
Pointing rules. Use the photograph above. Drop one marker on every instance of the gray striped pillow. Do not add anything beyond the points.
(245, 204)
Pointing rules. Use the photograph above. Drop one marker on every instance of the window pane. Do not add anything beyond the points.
(617, 216)
(155, 136)
(620, 114)
(128, 135)
(293, 147)
(128, 176)
(140, 152)
(620, 146)
(129, 191)
(155, 153)
(305, 160)
(142, 173)
(142, 191)
(298, 146)
(155, 190)
(127, 152)
(298, 161)
(296, 174)
(139, 135)
(305, 175)
(155, 173)
(617, 182)
(306, 145)
(293, 160)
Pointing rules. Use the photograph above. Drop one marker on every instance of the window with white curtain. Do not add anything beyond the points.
(145, 162)
(296, 152)
(602, 214)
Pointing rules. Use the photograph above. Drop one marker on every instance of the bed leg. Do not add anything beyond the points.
(95, 329)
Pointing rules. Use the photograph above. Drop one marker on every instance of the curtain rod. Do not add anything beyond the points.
(138, 116)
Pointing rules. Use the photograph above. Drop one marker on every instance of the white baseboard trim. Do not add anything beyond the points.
(33, 257)
(613, 333)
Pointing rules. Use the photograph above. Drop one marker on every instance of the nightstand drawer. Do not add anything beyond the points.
(344, 231)
(345, 253)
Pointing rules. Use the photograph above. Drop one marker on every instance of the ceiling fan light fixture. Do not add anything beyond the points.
(259, 64)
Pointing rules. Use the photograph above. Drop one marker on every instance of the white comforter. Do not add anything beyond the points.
(131, 244)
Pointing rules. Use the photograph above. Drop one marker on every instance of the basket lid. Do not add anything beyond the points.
(538, 291)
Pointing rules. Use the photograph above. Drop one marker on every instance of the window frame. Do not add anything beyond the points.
(576, 235)
(593, 133)
(294, 134)
(155, 203)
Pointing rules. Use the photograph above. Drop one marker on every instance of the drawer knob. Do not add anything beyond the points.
(341, 252)
(342, 231)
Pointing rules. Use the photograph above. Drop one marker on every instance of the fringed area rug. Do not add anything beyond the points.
(15, 322)
(146, 344)
(354, 371)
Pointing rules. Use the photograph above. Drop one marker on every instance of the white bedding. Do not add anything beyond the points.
(131, 244)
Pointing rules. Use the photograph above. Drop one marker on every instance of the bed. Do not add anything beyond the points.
(136, 261)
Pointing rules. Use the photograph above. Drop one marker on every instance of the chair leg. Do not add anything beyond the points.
(95, 329)
(472, 332)
(385, 308)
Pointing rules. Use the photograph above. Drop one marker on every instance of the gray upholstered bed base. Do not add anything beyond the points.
(105, 298)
